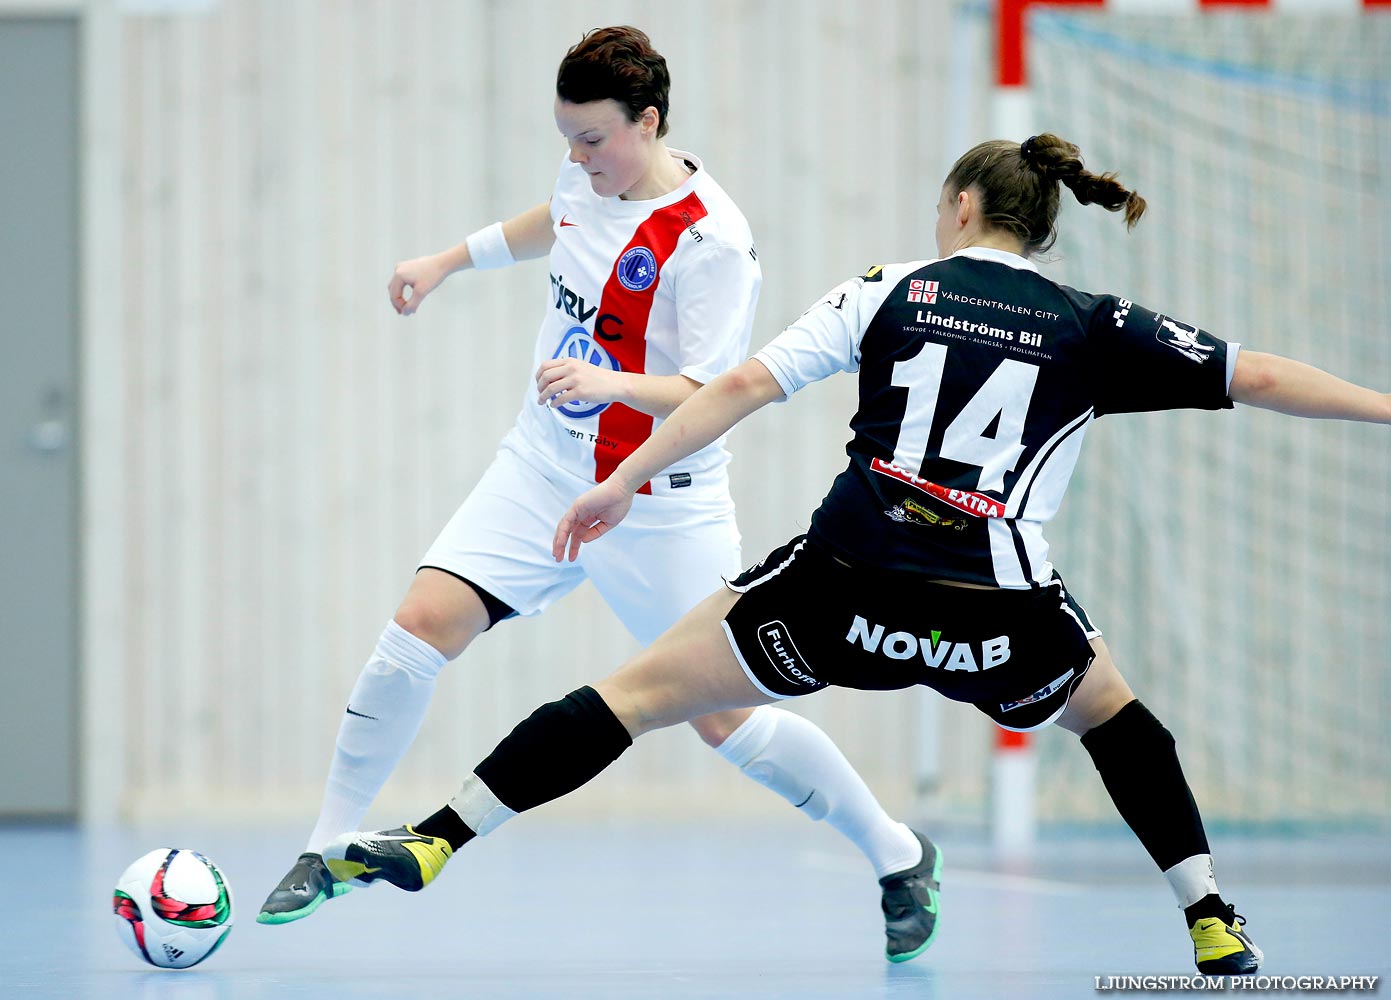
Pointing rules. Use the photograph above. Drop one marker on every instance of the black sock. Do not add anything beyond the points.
(1210, 905)
(1135, 756)
(447, 824)
(555, 750)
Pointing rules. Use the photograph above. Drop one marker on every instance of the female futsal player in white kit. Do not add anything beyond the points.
(652, 290)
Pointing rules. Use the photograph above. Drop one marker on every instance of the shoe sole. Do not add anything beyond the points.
(1233, 963)
(290, 916)
(908, 956)
(1216, 966)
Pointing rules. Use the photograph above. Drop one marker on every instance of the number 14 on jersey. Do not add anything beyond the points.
(1006, 394)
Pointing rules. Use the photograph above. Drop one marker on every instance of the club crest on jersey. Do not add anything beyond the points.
(579, 343)
(922, 291)
(637, 269)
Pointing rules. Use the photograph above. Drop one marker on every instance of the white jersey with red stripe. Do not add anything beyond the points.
(664, 286)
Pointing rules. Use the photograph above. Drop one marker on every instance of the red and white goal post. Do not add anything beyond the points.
(1220, 622)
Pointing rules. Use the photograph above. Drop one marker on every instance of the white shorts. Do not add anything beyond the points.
(667, 556)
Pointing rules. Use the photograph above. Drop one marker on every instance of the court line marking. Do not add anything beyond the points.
(961, 876)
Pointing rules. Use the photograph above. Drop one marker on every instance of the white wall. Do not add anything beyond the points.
(267, 448)
(273, 447)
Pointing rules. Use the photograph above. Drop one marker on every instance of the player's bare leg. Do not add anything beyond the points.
(689, 672)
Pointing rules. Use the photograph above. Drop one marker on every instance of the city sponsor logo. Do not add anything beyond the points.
(579, 343)
(1183, 339)
(782, 653)
(922, 291)
(932, 648)
(977, 504)
(637, 269)
(974, 300)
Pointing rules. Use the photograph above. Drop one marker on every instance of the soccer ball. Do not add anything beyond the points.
(174, 908)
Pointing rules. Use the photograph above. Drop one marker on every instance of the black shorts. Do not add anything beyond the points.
(806, 620)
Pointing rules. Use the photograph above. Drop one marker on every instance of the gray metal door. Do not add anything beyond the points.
(38, 407)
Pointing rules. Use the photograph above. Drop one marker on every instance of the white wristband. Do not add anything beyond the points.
(488, 248)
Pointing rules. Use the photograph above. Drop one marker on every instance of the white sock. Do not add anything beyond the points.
(385, 711)
(1192, 879)
(793, 757)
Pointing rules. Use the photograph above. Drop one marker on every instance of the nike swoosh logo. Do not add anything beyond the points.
(346, 870)
(931, 905)
(564, 223)
(361, 716)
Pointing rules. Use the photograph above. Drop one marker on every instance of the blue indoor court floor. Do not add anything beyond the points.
(560, 908)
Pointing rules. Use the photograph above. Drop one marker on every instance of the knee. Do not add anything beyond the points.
(714, 729)
(433, 625)
(442, 610)
(1132, 731)
(1100, 697)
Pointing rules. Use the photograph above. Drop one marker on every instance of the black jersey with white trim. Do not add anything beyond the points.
(978, 379)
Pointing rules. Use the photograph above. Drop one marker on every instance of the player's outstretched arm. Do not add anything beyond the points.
(561, 380)
(1278, 383)
(709, 412)
(524, 236)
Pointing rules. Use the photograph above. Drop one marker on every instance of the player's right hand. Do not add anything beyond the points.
(420, 275)
(591, 515)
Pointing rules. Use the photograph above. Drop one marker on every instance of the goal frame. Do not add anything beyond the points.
(1013, 779)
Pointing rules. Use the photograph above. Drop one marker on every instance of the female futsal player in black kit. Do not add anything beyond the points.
(926, 562)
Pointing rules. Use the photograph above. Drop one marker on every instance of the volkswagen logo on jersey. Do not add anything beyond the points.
(578, 343)
(637, 269)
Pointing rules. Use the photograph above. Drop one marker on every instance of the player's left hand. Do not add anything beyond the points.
(566, 380)
(593, 514)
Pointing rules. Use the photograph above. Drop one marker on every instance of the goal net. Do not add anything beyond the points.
(1239, 563)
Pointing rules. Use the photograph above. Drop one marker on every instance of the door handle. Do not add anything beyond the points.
(48, 437)
(49, 434)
